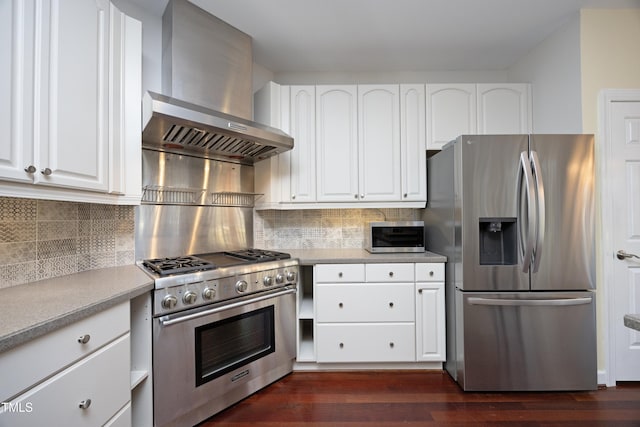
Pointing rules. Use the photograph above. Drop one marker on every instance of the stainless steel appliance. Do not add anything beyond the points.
(206, 105)
(514, 214)
(223, 328)
(395, 236)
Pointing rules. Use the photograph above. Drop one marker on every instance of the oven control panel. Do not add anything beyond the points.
(194, 290)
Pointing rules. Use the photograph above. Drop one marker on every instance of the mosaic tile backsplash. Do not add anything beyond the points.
(321, 229)
(40, 239)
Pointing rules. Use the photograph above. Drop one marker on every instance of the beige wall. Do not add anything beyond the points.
(610, 42)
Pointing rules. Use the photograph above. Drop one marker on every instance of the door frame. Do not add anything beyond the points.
(607, 249)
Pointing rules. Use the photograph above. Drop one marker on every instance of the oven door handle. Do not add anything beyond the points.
(167, 321)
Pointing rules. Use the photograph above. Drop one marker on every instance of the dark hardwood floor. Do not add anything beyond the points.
(421, 398)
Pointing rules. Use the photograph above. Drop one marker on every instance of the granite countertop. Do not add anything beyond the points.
(632, 321)
(345, 256)
(34, 309)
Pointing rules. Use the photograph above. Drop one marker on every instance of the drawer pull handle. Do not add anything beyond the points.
(84, 339)
(85, 404)
(391, 344)
(391, 274)
(340, 305)
(341, 345)
(340, 274)
(391, 304)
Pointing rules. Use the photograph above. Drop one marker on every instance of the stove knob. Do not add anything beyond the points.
(291, 276)
(279, 278)
(189, 297)
(267, 281)
(241, 286)
(169, 302)
(209, 293)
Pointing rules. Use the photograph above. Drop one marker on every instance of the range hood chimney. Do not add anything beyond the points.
(206, 105)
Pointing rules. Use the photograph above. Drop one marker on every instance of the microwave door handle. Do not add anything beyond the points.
(540, 231)
(526, 250)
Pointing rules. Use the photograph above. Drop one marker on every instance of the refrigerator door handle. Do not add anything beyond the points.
(526, 250)
(540, 229)
(529, 302)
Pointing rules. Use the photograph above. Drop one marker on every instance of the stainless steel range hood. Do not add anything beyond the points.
(206, 105)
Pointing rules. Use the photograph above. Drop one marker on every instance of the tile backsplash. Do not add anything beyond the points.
(40, 239)
(321, 229)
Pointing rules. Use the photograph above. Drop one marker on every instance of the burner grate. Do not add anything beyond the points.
(258, 255)
(184, 264)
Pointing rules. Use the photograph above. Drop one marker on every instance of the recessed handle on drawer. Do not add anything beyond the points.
(84, 339)
(85, 404)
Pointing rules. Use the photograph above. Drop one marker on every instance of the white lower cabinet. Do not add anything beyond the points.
(78, 375)
(88, 393)
(379, 312)
(430, 313)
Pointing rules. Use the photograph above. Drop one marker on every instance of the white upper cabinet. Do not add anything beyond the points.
(451, 111)
(303, 155)
(413, 143)
(467, 109)
(337, 143)
(504, 108)
(379, 143)
(71, 107)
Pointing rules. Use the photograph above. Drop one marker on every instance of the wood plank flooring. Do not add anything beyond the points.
(421, 398)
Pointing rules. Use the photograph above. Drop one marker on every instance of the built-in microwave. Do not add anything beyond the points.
(395, 236)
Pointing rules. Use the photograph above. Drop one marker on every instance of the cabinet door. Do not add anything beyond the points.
(430, 322)
(451, 111)
(125, 124)
(73, 98)
(413, 164)
(303, 155)
(16, 89)
(337, 143)
(504, 108)
(379, 142)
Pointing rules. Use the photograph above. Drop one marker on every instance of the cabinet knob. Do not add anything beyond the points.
(431, 273)
(85, 404)
(30, 169)
(355, 196)
(404, 195)
(293, 197)
(340, 305)
(362, 196)
(391, 344)
(340, 274)
(419, 291)
(341, 345)
(391, 304)
(46, 171)
(84, 339)
(391, 274)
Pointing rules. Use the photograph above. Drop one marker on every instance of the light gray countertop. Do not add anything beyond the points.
(632, 321)
(345, 256)
(34, 309)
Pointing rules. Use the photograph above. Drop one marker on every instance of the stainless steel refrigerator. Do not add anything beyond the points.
(514, 214)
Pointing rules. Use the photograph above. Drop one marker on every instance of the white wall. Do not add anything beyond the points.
(553, 68)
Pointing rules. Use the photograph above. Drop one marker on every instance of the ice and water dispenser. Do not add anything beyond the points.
(498, 241)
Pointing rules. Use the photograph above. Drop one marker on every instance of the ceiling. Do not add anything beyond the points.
(394, 35)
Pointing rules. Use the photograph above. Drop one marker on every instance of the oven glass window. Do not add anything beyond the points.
(231, 343)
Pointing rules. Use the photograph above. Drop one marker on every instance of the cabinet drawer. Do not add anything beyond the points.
(339, 273)
(371, 342)
(371, 302)
(35, 360)
(103, 377)
(393, 272)
(430, 272)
